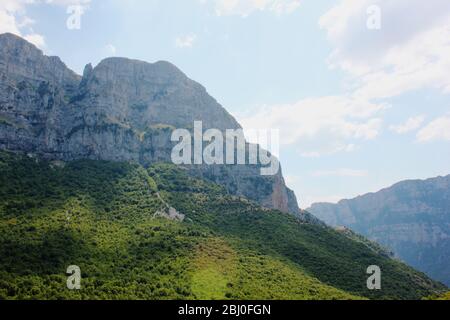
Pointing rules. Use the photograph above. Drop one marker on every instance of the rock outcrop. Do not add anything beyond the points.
(412, 218)
(121, 110)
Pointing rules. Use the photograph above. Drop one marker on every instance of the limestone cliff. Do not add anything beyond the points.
(121, 110)
(412, 218)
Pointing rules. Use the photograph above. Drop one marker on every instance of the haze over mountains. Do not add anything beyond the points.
(412, 218)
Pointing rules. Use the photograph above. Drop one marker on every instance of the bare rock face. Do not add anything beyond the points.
(145, 95)
(412, 218)
(22, 61)
(121, 110)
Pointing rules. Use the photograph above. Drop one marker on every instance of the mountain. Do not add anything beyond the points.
(121, 110)
(86, 180)
(412, 218)
(159, 233)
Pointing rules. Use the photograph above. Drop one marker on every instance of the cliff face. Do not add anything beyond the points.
(412, 218)
(121, 110)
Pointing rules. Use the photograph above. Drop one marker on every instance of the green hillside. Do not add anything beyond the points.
(442, 297)
(106, 218)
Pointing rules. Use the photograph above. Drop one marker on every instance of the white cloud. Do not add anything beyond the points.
(398, 58)
(64, 2)
(244, 8)
(26, 22)
(411, 124)
(36, 39)
(8, 22)
(186, 41)
(8, 19)
(320, 126)
(13, 20)
(13, 17)
(438, 129)
(291, 180)
(111, 49)
(13, 5)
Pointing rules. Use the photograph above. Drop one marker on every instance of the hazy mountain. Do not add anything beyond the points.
(412, 218)
(121, 110)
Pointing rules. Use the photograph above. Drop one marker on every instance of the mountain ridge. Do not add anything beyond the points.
(120, 110)
(386, 188)
(411, 217)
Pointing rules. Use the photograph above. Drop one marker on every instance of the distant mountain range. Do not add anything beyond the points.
(411, 218)
(159, 233)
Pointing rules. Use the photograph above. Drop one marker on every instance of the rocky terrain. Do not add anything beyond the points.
(121, 110)
(412, 218)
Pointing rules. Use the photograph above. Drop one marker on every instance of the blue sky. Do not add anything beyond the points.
(360, 93)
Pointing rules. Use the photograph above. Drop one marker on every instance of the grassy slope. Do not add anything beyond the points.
(100, 216)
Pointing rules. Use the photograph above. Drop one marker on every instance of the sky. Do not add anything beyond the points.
(360, 89)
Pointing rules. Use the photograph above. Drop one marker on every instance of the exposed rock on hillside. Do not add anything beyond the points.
(121, 110)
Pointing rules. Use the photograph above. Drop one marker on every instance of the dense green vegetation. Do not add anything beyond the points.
(101, 217)
(445, 296)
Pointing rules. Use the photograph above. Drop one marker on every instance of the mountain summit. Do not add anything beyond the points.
(121, 110)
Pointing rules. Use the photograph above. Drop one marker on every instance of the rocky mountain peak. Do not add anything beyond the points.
(87, 70)
(120, 66)
(147, 94)
(21, 60)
